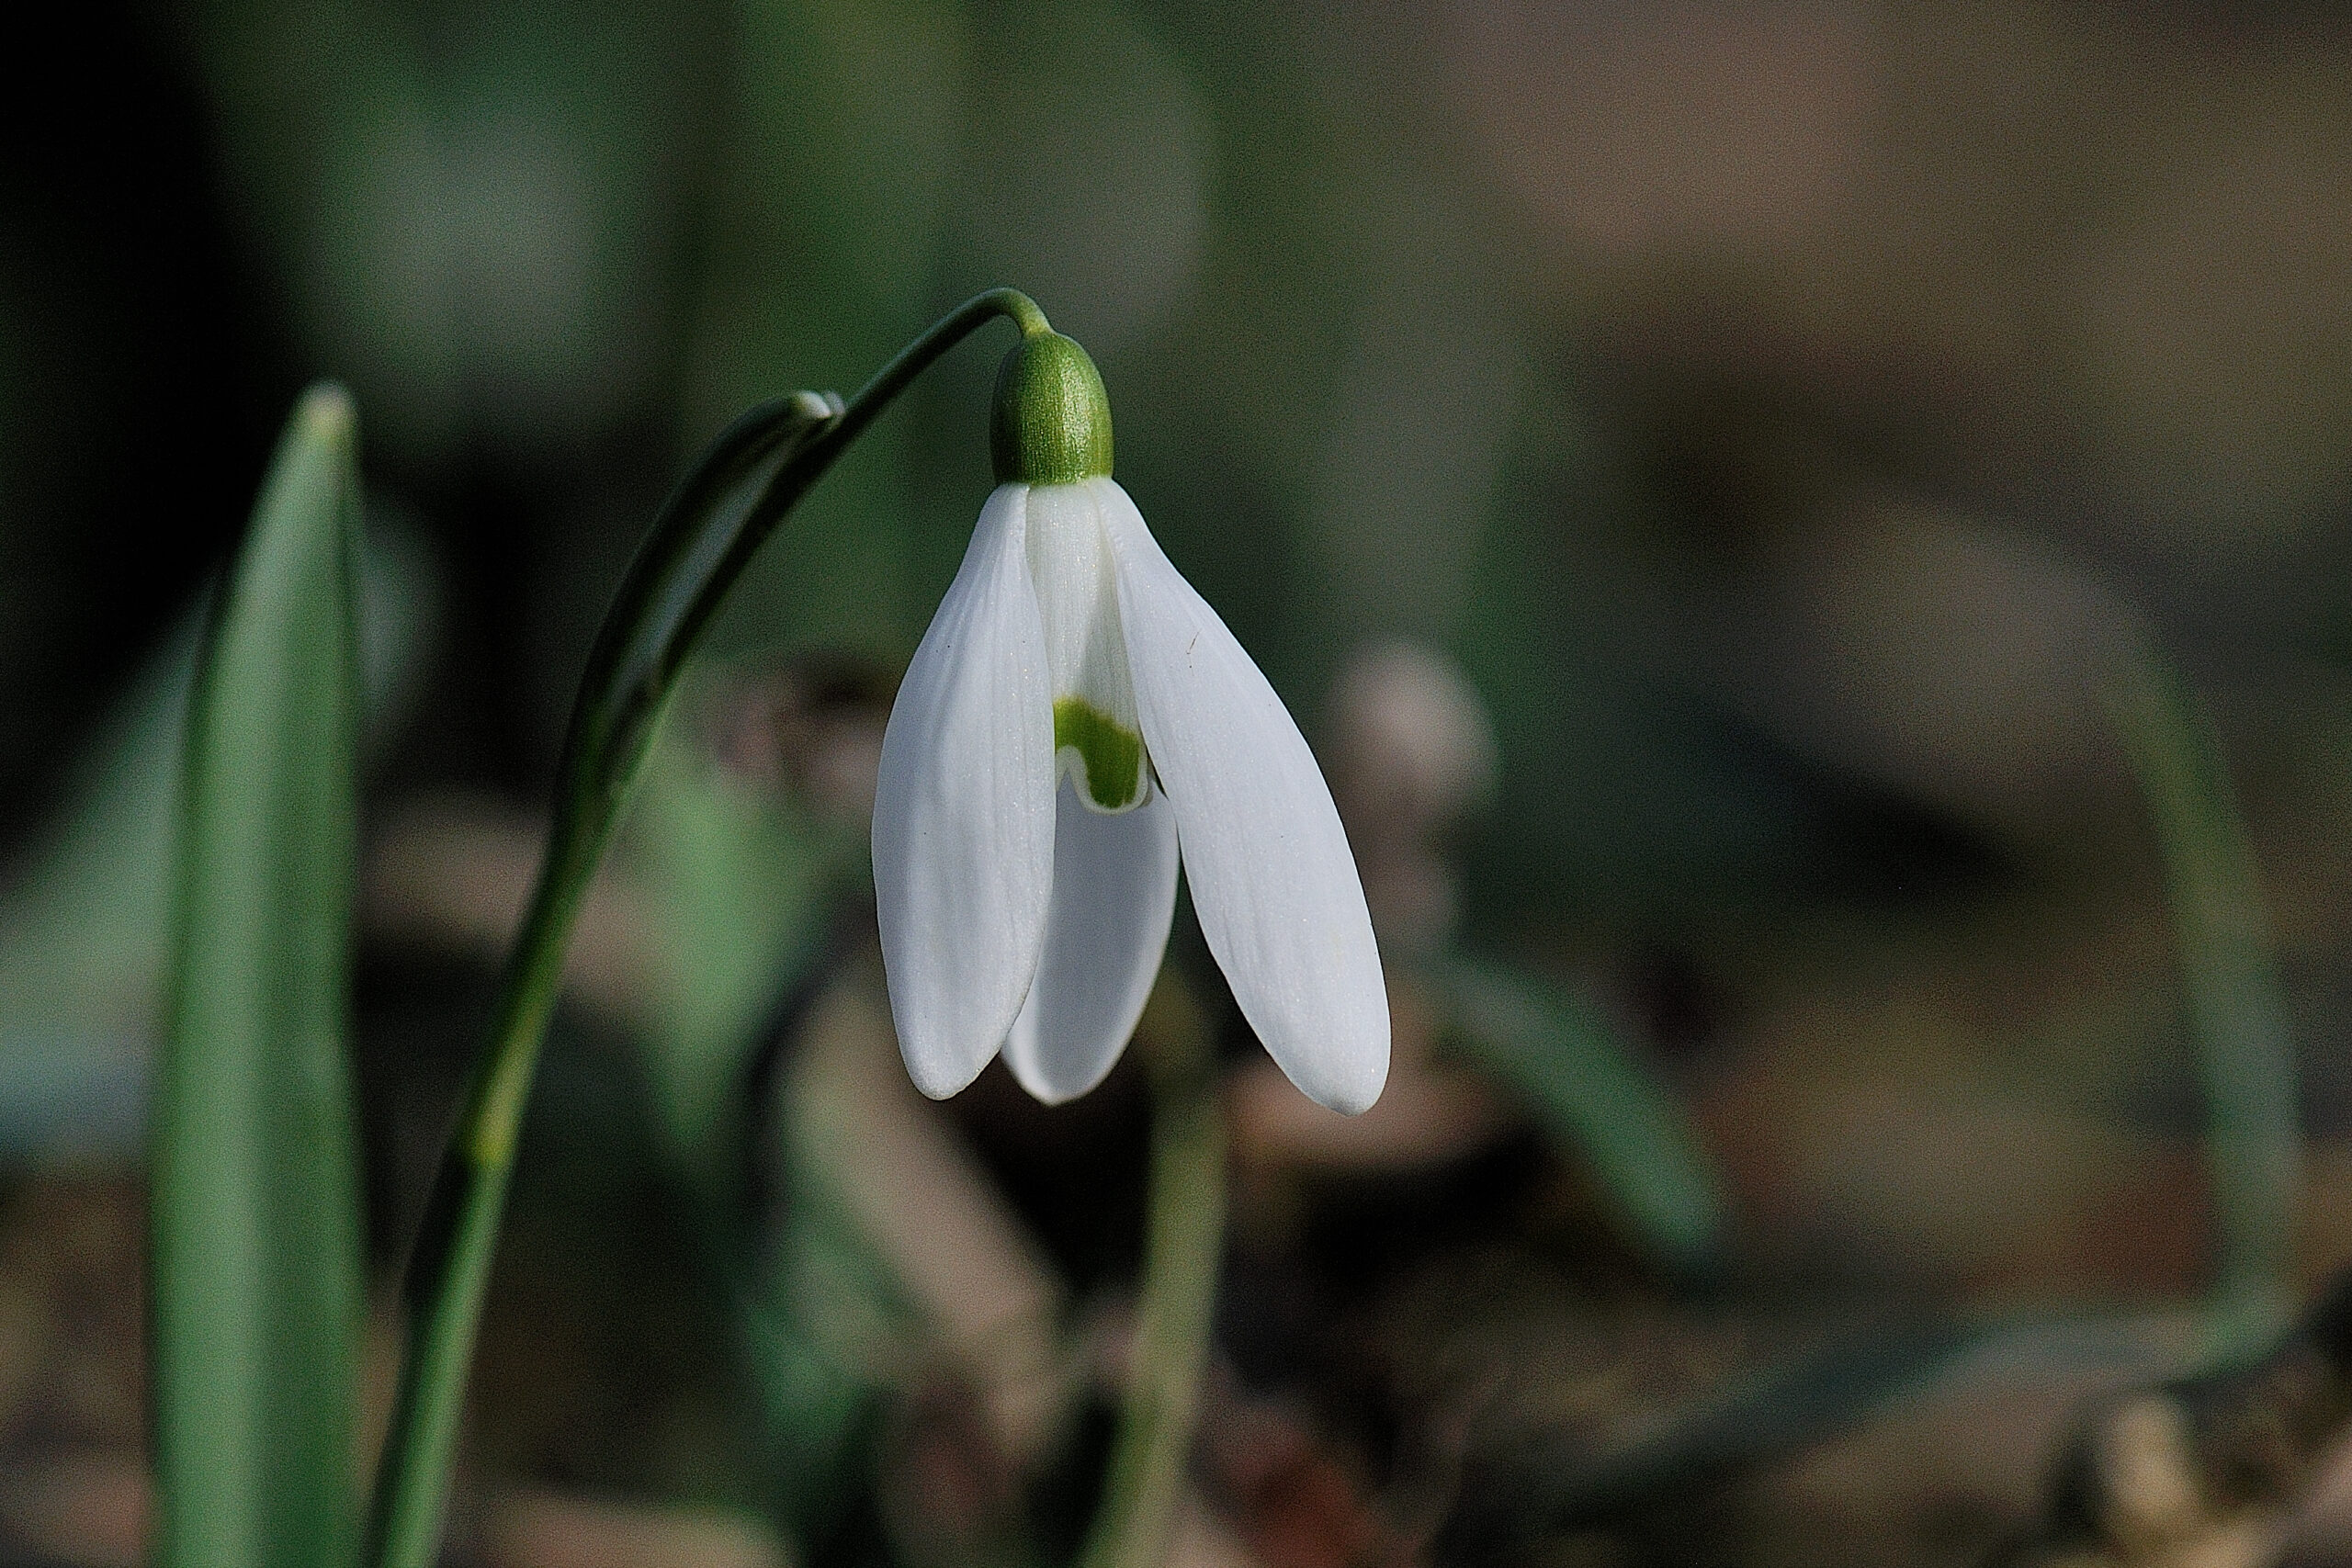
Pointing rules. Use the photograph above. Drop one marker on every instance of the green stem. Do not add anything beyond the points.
(705, 533)
(1182, 1246)
(2253, 1136)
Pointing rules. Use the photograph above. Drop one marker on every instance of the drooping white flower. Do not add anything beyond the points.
(1076, 722)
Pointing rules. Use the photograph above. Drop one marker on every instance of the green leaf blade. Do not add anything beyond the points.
(2236, 1009)
(1592, 1092)
(255, 1216)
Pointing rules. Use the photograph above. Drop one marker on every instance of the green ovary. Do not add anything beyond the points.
(1110, 751)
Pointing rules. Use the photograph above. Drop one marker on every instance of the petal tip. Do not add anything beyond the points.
(1045, 1093)
(936, 1084)
(1355, 1091)
(1343, 1066)
(1023, 1059)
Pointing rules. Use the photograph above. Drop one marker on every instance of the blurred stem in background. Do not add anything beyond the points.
(1185, 1237)
(2254, 1133)
(750, 476)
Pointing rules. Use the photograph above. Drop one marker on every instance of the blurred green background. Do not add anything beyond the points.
(1696, 472)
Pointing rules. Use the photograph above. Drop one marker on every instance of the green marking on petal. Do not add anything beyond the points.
(1111, 753)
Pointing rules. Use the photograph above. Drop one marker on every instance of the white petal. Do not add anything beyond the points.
(963, 813)
(1271, 875)
(1078, 599)
(1114, 894)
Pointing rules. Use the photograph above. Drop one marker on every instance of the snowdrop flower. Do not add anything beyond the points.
(1076, 722)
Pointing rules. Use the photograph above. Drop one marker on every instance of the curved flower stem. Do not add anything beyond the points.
(1183, 1244)
(704, 535)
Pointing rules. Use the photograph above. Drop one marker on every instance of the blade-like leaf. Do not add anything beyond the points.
(1591, 1092)
(85, 923)
(2254, 1129)
(254, 1202)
